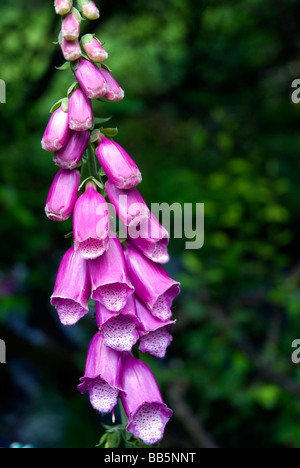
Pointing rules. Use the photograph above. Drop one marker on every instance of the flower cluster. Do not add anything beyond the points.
(131, 290)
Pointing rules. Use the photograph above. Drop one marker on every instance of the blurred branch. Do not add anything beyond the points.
(190, 422)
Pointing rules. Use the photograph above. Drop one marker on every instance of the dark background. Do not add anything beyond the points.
(208, 118)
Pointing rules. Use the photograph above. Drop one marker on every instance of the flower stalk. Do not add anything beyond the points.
(131, 292)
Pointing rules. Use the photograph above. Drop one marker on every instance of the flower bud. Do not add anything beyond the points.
(91, 224)
(114, 91)
(71, 50)
(143, 404)
(57, 131)
(80, 111)
(102, 376)
(70, 155)
(62, 195)
(89, 9)
(93, 48)
(72, 288)
(63, 7)
(70, 28)
(91, 81)
(120, 169)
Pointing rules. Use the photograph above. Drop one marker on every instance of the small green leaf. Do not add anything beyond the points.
(64, 67)
(69, 235)
(106, 67)
(100, 121)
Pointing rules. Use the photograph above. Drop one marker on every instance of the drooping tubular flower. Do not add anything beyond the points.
(102, 376)
(69, 156)
(119, 330)
(80, 111)
(62, 195)
(129, 205)
(93, 48)
(91, 223)
(114, 91)
(155, 335)
(120, 169)
(151, 239)
(151, 282)
(147, 413)
(72, 288)
(90, 78)
(109, 277)
(57, 131)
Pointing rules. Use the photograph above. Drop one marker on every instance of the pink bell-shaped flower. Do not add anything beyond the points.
(109, 277)
(151, 282)
(147, 413)
(72, 288)
(102, 376)
(91, 223)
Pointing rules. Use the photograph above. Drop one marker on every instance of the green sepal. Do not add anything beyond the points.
(65, 66)
(90, 179)
(56, 106)
(106, 67)
(72, 88)
(100, 121)
(110, 132)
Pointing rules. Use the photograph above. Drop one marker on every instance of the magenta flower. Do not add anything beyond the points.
(93, 48)
(69, 156)
(155, 335)
(129, 205)
(71, 50)
(91, 81)
(62, 195)
(63, 7)
(151, 282)
(117, 164)
(102, 376)
(57, 131)
(70, 28)
(147, 413)
(72, 288)
(114, 91)
(80, 111)
(119, 330)
(152, 240)
(91, 223)
(89, 9)
(109, 278)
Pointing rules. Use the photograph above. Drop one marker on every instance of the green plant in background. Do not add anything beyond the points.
(215, 102)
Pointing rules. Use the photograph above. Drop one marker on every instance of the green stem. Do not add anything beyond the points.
(92, 163)
(123, 414)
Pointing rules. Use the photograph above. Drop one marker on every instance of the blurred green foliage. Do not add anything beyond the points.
(209, 119)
